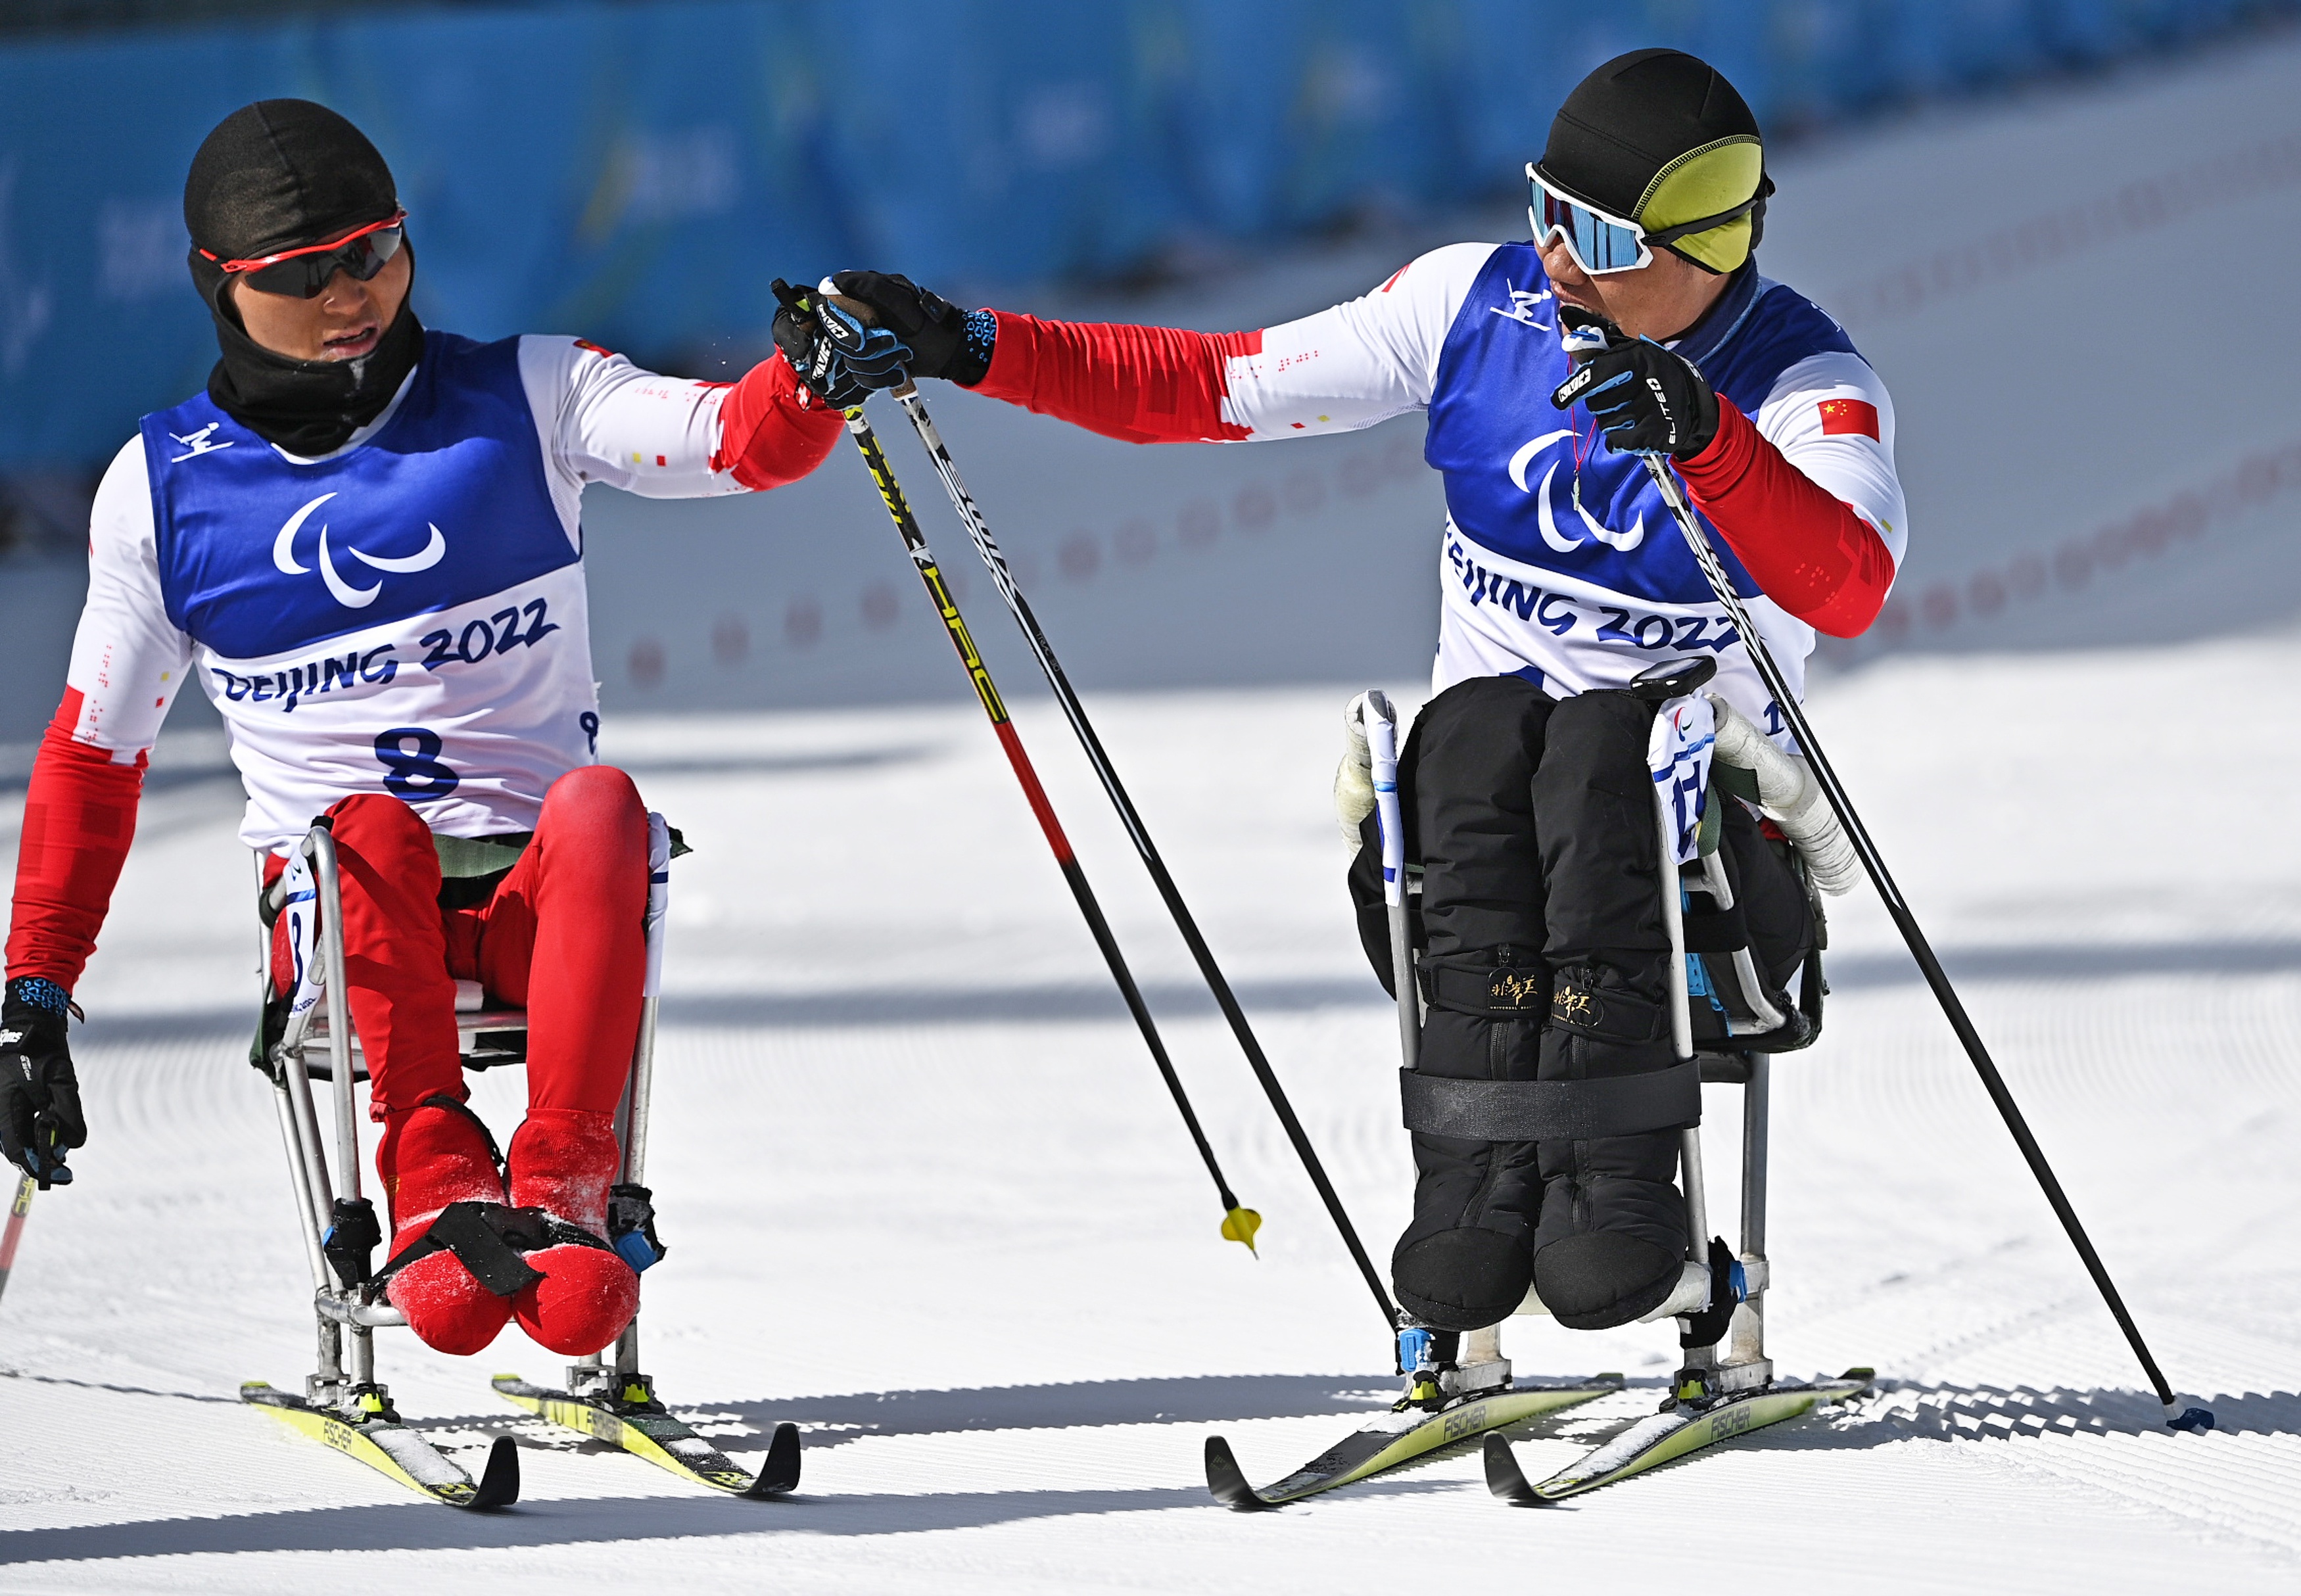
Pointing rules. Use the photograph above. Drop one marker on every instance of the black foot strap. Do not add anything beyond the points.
(1667, 1100)
(491, 1240)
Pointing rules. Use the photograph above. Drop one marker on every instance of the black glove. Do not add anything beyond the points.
(1645, 399)
(39, 1096)
(822, 364)
(945, 341)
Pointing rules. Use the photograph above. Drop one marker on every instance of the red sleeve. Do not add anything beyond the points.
(1136, 384)
(80, 816)
(1805, 547)
(772, 430)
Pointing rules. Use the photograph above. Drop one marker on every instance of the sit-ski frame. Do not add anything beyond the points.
(351, 1388)
(1736, 1361)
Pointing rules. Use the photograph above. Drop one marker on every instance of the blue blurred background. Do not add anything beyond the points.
(637, 173)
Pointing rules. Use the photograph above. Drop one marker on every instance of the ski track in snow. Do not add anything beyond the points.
(975, 1258)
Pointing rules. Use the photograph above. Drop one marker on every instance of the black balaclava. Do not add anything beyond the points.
(277, 175)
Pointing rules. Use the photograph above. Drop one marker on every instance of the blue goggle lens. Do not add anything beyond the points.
(1598, 244)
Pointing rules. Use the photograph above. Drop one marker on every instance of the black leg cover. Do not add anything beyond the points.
(1612, 1237)
(1534, 823)
(1467, 1259)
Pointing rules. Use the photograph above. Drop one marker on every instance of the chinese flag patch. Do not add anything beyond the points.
(1848, 415)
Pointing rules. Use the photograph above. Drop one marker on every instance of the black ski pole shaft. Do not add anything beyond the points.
(1906, 923)
(978, 532)
(915, 544)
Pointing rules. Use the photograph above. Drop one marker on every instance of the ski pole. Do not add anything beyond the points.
(1239, 1224)
(25, 1186)
(2177, 1414)
(978, 532)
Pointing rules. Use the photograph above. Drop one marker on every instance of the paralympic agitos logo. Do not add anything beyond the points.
(283, 555)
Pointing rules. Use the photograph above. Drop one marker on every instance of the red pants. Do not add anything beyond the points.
(564, 936)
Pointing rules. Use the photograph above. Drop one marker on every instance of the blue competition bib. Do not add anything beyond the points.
(448, 504)
(1510, 459)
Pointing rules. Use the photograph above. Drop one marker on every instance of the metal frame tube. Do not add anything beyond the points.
(299, 1177)
(313, 1156)
(1673, 919)
(1757, 1103)
(1745, 1336)
(1381, 723)
(320, 844)
(1681, 1031)
(638, 1096)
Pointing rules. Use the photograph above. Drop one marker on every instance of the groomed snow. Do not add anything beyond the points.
(926, 1197)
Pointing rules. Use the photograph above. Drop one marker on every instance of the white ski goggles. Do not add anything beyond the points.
(1601, 243)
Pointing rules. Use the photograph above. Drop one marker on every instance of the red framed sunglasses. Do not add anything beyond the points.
(305, 273)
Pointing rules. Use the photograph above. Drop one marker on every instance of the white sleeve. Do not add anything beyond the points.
(1361, 361)
(1851, 465)
(604, 420)
(128, 659)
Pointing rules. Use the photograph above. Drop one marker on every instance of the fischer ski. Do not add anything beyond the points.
(1405, 1433)
(637, 1423)
(390, 1447)
(1683, 1426)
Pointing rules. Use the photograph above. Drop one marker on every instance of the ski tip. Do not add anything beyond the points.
(1506, 1479)
(779, 1471)
(2194, 1421)
(1227, 1481)
(499, 1482)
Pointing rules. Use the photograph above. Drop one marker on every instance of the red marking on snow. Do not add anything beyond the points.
(1849, 416)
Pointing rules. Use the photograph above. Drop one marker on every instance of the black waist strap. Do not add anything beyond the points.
(491, 1240)
(1668, 1100)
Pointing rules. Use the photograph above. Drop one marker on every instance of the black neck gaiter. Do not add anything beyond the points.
(281, 174)
(306, 406)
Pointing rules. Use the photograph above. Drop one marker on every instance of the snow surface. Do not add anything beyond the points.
(925, 1196)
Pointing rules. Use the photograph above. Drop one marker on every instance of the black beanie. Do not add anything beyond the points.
(276, 175)
(282, 173)
(1636, 121)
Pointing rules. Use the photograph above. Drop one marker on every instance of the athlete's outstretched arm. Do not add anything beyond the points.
(129, 661)
(1360, 362)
